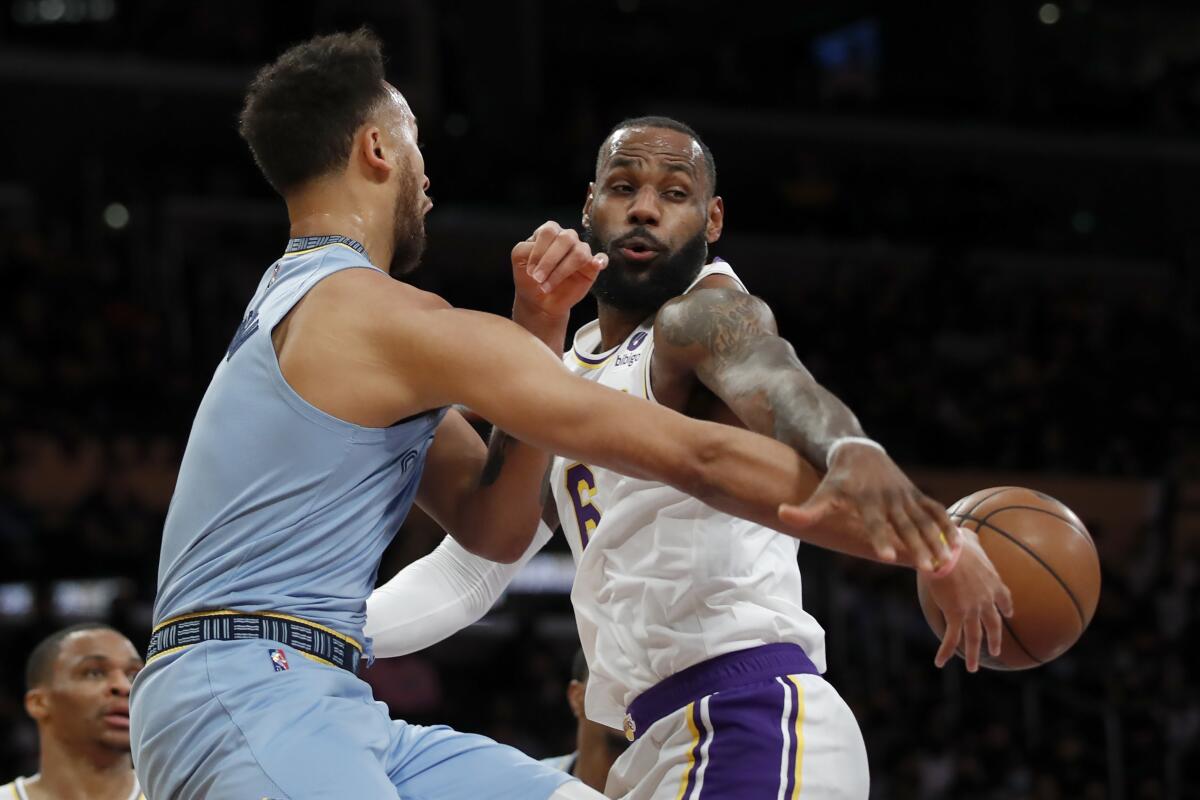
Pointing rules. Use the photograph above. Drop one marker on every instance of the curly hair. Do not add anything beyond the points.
(302, 110)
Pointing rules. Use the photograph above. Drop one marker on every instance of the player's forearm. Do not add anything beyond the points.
(508, 500)
(775, 395)
(506, 505)
(438, 595)
(730, 339)
(746, 475)
(808, 416)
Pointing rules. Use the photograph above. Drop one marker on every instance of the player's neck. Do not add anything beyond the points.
(325, 210)
(68, 774)
(616, 324)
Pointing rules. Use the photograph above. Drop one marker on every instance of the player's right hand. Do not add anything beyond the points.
(972, 597)
(867, 494)
(553, 270)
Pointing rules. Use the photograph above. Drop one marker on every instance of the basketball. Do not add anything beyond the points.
(1047, 558)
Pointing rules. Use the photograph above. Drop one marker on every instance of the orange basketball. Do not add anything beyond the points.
(1048, 561)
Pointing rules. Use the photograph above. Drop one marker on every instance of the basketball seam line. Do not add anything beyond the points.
(1066, 588)
(1008, 627)
(1077, 528)
(1031, 552)
(983, 500)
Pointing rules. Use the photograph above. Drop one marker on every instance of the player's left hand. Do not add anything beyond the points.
(553, 270)
(972, 597)
(864, 492)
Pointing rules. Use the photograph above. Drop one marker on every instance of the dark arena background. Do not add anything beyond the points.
(978, 222)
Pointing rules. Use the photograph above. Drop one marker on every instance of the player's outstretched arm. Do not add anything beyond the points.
(442, 356)
(438, 595)
(728, 340)
(490, 500)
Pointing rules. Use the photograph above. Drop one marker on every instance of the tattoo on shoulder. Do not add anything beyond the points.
(722, 322)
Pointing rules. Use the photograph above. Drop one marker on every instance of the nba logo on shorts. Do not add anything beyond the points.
(279, 660)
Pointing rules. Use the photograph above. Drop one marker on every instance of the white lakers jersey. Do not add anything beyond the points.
(664, 581)
(18, 791)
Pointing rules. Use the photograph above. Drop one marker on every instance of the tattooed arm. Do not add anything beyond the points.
(727, 340)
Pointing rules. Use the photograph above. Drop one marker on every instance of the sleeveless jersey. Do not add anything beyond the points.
(279, 506)
(664, 581)
(16, 790)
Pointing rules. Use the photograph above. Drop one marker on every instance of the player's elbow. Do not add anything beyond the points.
(509, 551)
(503, 547)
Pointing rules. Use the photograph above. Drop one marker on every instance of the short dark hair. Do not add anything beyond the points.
(302, 110)
(710, 165)
(579, 667)
(41, 661)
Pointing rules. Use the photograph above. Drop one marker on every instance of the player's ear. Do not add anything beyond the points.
(587, 204)
(374, 149)
(575, 691)
(37, 703)
(716, 219)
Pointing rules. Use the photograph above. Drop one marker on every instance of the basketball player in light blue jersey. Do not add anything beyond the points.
(326, 419)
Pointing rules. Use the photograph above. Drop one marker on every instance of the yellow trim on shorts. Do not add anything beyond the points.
(311, 657)
(273, 615)
(691, 722)
(799, 732)
(315, 249)
(162, 653)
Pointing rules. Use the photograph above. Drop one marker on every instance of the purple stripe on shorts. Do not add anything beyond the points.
(729, 671)
(747, 745)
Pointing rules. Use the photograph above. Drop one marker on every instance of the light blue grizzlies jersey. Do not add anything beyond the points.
(279, 506)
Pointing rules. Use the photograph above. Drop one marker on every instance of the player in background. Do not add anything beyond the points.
(596, 746)
(692, 620)
(77, 692)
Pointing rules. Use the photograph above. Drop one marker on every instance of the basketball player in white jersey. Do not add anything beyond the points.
(77, 691)
(692, 620)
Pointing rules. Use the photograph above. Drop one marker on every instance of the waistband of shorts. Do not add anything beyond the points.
(728, 671)
(313, 640)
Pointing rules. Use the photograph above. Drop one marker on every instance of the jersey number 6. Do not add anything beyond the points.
(581, 484)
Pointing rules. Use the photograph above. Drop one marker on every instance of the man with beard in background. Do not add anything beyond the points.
(77, 691)
(596, 746)
(692, 620)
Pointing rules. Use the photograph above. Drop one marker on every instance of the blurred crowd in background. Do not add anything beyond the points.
(976, 223)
